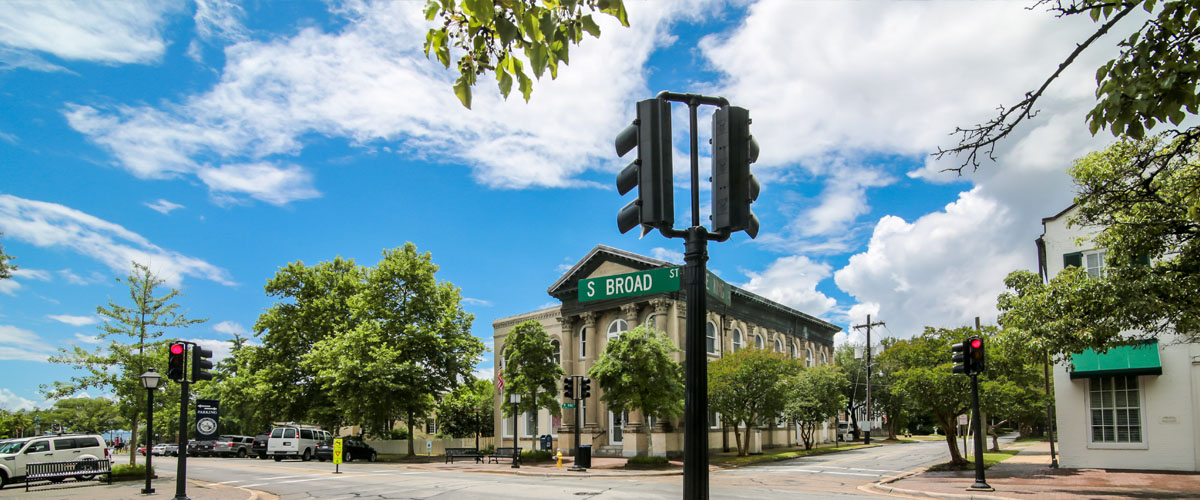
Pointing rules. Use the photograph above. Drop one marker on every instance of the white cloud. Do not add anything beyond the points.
(74, 320)
(220, 20)
(129, 31)
(75, 279)
(941, 270)
(370, 82)
(230, 328)
(45, 224)
(488, 373)
(221, 349)
(792, 281)
(9, 286)
(12, 402)
(15, 59)
(163, 206)
(661, 253)
(88, 339)
(24, 345)
(477, 302)
(33, 274)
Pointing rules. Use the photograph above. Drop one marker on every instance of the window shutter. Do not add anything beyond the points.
(1144, 260)
(1073, 259)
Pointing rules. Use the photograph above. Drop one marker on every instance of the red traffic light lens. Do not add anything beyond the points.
(176, 348)
(976, 343)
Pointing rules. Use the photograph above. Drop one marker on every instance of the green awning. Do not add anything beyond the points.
(1138, 359)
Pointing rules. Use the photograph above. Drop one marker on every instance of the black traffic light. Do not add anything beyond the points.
(975, 354)
(968, 356)
(569, 388)
(200, 364)
(650, 172)
(734, 188)
(585, 388)
(175, 361)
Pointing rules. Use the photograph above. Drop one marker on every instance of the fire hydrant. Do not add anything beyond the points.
(559, 459)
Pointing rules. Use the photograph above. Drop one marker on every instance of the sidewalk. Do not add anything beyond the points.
(164, 488)
(601, 467)
(1028, 475)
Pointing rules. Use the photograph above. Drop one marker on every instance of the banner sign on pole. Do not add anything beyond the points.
(207, 419)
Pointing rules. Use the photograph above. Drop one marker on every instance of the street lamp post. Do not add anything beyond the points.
(150, 381)
(515, 399)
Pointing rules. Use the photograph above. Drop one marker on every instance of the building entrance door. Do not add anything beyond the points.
(616, 426)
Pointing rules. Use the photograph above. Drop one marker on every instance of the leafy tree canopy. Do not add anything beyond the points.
(467, 410)
(746, 386)
(814, 396)
(6, 265)
(510, 37)
(637, 373)
(531, 369)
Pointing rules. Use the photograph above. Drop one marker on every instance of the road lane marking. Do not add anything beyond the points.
(854, 468)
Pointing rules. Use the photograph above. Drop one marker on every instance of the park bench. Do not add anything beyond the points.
(57, 471)
(452, 453)
(500, 453)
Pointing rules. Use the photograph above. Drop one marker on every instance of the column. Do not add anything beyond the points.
(570, 355)
(591, 424)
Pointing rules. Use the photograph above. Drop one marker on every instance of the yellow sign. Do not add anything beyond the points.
(337, 451)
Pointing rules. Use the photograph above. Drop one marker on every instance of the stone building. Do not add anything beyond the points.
(580, 331)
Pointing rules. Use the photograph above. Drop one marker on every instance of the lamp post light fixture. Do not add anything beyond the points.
(150, 381)
(515, 399)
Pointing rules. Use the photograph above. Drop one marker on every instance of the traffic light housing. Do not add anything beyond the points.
(201, 364)
(569, 388)
(175, 361)
(650, 172)
(585, 388)
(969, 356)
(734, 188)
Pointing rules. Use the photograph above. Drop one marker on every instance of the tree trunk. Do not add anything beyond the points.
(738, 438)
(724, 437)
(947, 425)
(411, 437)
(745, 443)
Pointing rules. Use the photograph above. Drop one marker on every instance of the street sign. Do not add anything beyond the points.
(647, 282)
(717, 288)
(337, 451)
(962, 420)
(567, 406)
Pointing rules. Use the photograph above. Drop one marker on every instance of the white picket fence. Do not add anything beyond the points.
(430, 446)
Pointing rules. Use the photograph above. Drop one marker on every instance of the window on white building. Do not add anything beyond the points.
(714, 420)
(824, 360)
(808, 356)
(778, 346)
(583, 343)
(1116, 414)
(759, 342)
(529, 424)
(711, 336)
(650, 321)
(795, 350)
(737, 340)
(616, 327)
(557, 348)
(1095, 263)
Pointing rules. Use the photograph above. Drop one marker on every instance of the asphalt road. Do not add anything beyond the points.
(835, 475)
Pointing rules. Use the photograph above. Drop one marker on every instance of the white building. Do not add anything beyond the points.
(1133, 407)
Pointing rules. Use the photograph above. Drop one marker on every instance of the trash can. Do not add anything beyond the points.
(585, 456)
(547, 442)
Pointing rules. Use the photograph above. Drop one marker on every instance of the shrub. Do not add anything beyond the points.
(536, 456)
(646, 462)
(128, 472)
(399, 433)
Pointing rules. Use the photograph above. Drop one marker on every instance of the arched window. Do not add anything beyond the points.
(795, 350)
(824, 360)
(737, 340)
(616, 327)
(583, 343)
(711, 335)
(808, 357)
(778, 346)
(557, 348)
(759, 343)
(651, 323)
(501, 358)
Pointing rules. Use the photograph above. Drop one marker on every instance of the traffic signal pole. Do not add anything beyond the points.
(977, 421)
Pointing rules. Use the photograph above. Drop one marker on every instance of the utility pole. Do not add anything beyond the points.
(868, 326)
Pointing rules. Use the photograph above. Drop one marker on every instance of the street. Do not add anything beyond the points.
(835, 475)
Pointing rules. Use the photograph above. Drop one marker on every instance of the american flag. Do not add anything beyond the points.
(500, 379)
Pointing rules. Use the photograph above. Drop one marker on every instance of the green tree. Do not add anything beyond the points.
(637, 373)
(6, 265)
(924, 375)
(411, 342)
(501, 37)
(89, 415)
(531, 370)
(747, 386)
(141, 324)
(814, 396)
(855, 370)
(467, 411)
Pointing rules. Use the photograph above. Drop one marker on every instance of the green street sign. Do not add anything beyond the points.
(568, 406)
(648, 282)
(717, 288)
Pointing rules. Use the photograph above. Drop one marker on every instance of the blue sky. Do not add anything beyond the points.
(217, 141)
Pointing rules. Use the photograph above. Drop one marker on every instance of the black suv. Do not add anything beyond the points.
(352, 448)
(259, 448)
(202, 448)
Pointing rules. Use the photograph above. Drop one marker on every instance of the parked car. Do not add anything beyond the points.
(159, 450)
(57, 448)
(200, 447)
(171, 450)
(352, 449)
(141, 450)
(290, 440)
(259, 447)
(232, 446)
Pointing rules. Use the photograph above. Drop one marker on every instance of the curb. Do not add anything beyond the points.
(581, 474)
(885, 489)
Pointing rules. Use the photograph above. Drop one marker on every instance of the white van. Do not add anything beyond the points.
(290, 440)
(56, 448)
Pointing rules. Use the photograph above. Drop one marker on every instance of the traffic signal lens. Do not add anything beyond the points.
(176, 349)
(976, 343)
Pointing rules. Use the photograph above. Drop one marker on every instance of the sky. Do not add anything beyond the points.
(217, 141)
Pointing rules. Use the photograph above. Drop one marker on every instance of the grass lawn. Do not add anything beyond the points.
(989, 459)
(731, 458)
